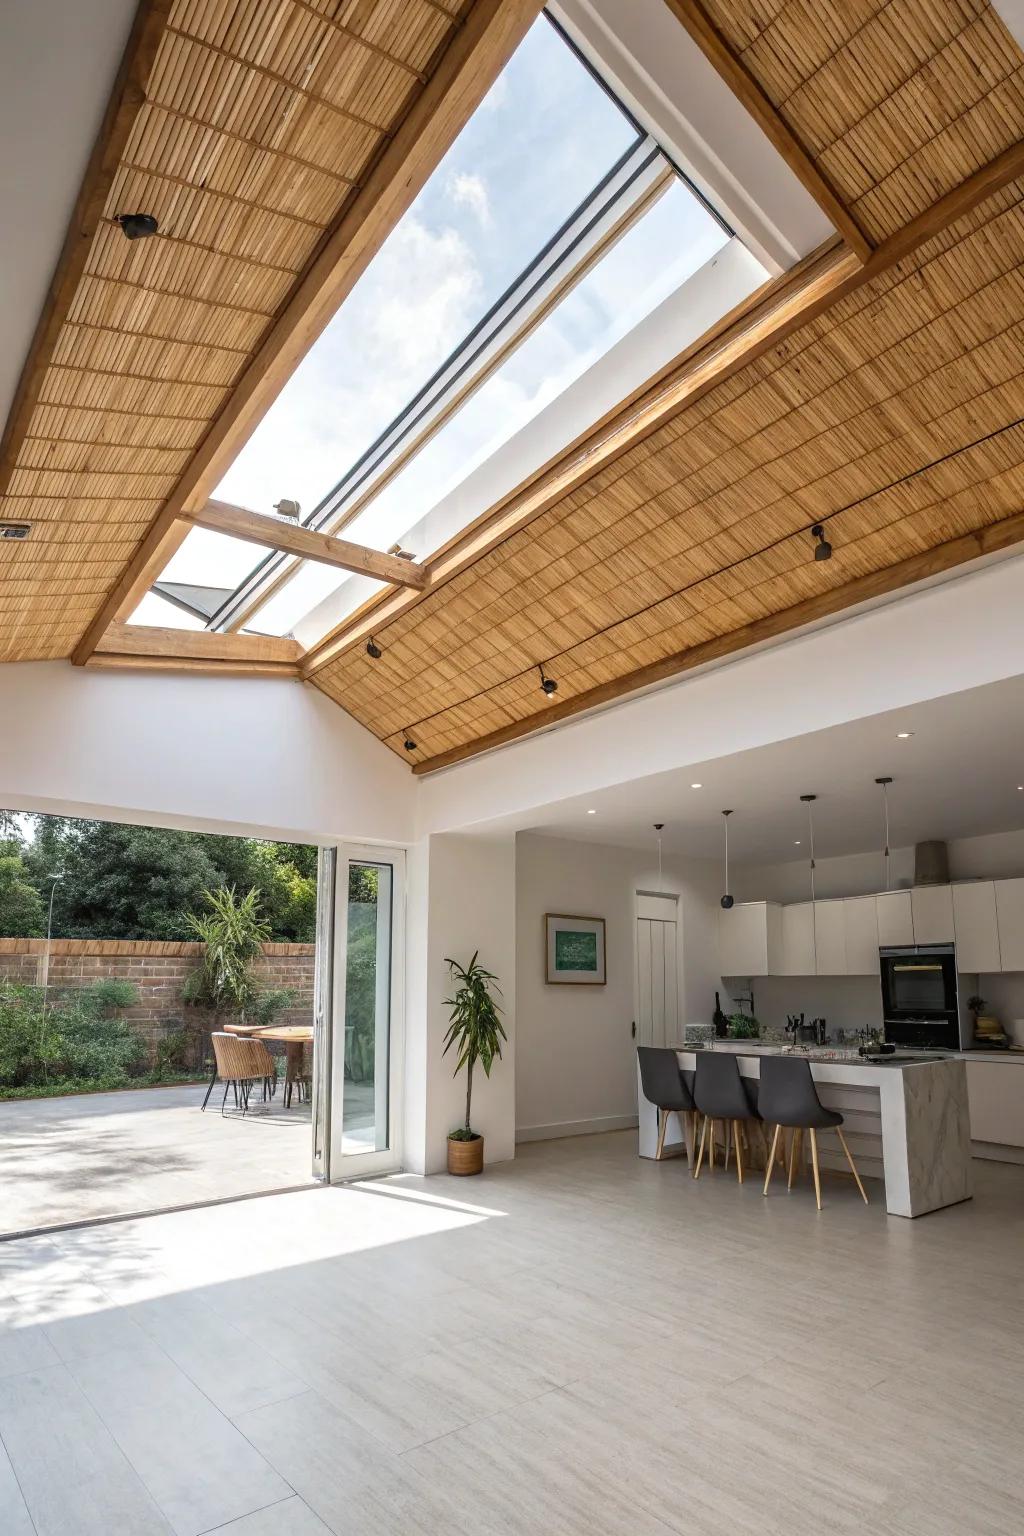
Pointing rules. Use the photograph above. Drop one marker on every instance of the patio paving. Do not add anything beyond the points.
(84, 1156)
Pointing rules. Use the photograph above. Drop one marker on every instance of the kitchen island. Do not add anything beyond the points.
(907, 1122)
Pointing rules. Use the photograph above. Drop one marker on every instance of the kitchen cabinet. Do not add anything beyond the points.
(1010, 923)
(797, 957)
(750, 939)
(975, 929)
(932, 910)
(895, 918)
(860, 917)
(995, 1091)
(829, 939)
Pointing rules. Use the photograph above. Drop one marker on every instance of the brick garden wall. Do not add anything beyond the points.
(157, 970)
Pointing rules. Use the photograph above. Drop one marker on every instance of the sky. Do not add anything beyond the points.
(543, 137)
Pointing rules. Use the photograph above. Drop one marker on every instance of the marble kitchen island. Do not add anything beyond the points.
(907, 1122)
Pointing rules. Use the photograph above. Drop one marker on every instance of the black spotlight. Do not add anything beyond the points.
(136, 226)
(548, 684)
(373, 650)
(408, 743)
(823, 549)
(728, 901)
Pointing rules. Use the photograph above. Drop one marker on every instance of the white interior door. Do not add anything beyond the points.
(366, 1055)
(657, 974)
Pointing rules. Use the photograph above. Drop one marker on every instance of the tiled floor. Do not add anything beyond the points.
(86, 1155)
(575, 1343)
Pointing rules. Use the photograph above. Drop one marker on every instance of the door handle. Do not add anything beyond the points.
(632, 1029)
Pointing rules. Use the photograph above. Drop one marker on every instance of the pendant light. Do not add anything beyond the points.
(883, 784)
(727, 900)
(809, 800)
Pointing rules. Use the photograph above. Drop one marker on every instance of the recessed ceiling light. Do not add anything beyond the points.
(591, 813)
(796, 843)
(696, 786)
(1020, 786)
(903, 735)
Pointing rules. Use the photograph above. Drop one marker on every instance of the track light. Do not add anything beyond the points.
(823, 549)
(289, 509)
(373, 650)
(548, 684)
(408, 743)
(136, 226)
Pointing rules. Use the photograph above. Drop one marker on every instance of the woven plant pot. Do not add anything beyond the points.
(466, 1156)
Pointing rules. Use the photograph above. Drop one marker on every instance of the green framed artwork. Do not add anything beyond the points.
(574, 950)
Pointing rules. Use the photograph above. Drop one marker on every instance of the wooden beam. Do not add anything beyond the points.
(126, 101)
(745, 88)
(204, 665)
(786, 305)
(474, 56)
(196, 645)
(990, 540)
(293, 539)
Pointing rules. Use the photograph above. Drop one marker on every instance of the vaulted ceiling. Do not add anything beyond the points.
(877, 388)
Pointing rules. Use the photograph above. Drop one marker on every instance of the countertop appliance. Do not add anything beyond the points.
(919, 996)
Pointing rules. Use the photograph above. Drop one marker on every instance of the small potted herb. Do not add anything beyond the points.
(743, 1026)
(476, 1033)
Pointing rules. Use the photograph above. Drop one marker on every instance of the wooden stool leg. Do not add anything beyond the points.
(853, 1167)
(795, 1148)
(700, 1154)
(769, 1167)
(662, 1125)
(738, 1140)
(728, 1143)
(711, 1142)
(814, 1161)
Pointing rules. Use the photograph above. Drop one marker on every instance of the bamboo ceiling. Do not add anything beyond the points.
(260, 119)
(892, 407)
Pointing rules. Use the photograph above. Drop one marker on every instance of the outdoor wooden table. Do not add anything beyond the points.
(294, 1037)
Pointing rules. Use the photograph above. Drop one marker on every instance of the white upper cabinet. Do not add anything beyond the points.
(750, 938)
(797, 957)
(895, 918)
(1010, 915)
(975, 926)
(860, 915)
(829, 939)
(932, 907)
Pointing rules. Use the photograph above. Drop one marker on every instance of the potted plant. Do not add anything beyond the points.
(476, 1033)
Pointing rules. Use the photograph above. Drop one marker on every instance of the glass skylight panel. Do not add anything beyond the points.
(544, 135)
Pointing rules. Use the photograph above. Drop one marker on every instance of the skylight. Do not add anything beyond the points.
(552, 227)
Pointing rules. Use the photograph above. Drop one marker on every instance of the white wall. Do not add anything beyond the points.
(237, 754)
(462, 899)
(575, 1061)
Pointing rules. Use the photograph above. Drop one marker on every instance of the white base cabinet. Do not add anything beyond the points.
(995, 1090)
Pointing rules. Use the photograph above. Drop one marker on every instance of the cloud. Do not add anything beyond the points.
(468, 190)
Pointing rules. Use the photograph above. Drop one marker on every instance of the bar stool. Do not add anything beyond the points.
(720, 1094)
(664, 1087)
(788, 1097)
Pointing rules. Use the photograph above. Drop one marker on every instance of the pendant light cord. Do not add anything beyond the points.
(810, 830)
(885, 807)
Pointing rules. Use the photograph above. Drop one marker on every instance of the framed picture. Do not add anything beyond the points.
(574, 950)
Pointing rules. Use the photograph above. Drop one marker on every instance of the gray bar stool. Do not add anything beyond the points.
(720, 1094)
(787, 1096)
(664, 1086)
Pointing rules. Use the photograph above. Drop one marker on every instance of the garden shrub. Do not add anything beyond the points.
(74, 1035)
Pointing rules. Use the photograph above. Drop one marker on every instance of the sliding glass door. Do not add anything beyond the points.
(366, 1037)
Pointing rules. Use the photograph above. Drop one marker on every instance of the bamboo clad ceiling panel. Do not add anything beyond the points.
(898, 415)
(261, 118)
(897, 101)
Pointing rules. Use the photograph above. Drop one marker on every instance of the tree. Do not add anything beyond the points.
(21, 910)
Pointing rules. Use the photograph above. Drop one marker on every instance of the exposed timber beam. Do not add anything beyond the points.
(781, 308)
(293, 539)
(745, 88)
(126, 101)
(133, 640)
(208, 666)
(477, 51)
(990, 540)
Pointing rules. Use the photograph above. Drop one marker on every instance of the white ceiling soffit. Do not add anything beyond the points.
(58, 59)
(660, 74)
(955, 774)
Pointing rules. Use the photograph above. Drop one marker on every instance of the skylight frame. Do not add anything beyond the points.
(621, 196)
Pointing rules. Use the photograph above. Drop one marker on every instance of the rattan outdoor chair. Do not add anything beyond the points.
(238, 1064)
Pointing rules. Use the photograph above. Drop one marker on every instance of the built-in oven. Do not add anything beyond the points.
(919, 996)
